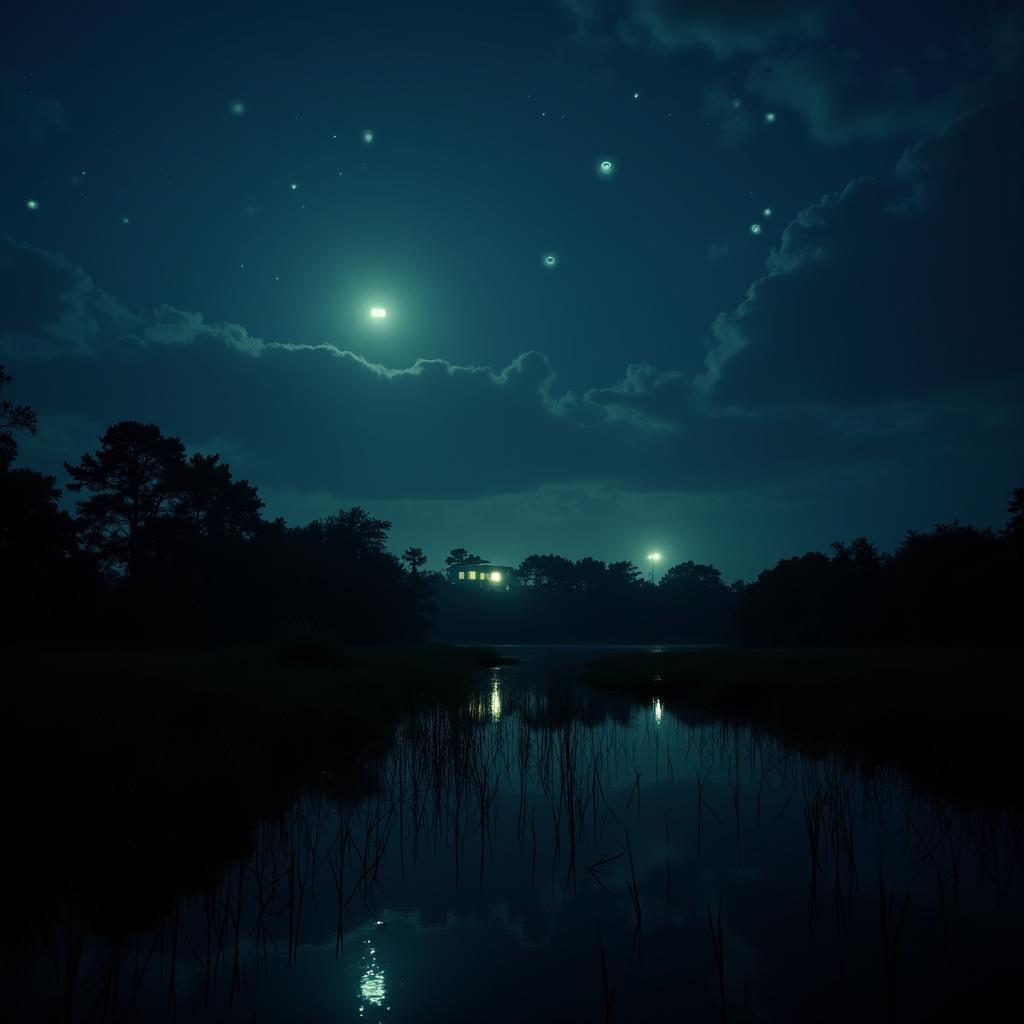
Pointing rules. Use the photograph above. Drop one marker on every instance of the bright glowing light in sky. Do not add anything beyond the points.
(767, 211)
(237, 107)
(32, 204)
(655, 556)
(550, 260)
(293, 186)
(367, 136)
(606, 167)
(378, 312)
(769, 118)
(755, 229)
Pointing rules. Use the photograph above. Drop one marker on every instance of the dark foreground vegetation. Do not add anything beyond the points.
(130, 778)
(950, 717)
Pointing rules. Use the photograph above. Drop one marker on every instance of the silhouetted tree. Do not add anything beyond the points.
(460, 556)
(547, 572)
(12, 417)
(132, 480)
(214, 505)
(415, 559)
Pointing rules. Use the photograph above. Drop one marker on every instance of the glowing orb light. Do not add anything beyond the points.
(367, 136)
(606, 167)
(755, 229)
(293, 186)
(237, 107)
(550, 260)
(769, 118)
(378, 313)
(767, 211)
(32, 204)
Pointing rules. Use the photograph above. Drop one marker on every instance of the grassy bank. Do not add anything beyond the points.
(131, 776)
(950, 716)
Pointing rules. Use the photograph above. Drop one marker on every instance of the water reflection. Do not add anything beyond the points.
(372, 989)
(573, 853)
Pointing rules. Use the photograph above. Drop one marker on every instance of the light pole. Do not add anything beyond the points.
(654, 556)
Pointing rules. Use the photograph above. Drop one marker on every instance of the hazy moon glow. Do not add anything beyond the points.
(378, 312)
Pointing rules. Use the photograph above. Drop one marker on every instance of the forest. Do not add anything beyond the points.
(167, 547)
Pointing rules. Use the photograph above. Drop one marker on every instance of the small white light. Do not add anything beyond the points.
(769, 118)
(378, 312)
(767, 211)
(367, 136)
(495, 577)
(32, 204)
(293, 186)
(755, 229)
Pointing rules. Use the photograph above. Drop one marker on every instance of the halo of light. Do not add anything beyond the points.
(767, 211)
(769, 117)
(367, 136)
(32, 204)
(605, 168)
(549, 260)
(378, 313)
(237, 108)
(755, 229)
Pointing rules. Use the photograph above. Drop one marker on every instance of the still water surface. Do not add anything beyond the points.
(550, 853)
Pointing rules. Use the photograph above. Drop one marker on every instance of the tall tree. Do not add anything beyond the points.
(460, 556)
(212, 503)
(415, 559)
(133, 480)
(12, 417)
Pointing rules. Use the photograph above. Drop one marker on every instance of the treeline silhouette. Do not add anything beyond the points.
(556, 599)
(168, 547)
(953, 584)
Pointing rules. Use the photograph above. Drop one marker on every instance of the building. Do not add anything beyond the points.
(488, 574)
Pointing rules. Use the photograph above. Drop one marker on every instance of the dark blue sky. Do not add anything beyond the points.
(676, 380)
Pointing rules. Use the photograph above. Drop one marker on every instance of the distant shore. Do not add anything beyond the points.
(948, 716)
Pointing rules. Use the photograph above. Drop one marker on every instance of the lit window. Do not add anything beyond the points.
(495, 577)
(472, 574)
(462, 575)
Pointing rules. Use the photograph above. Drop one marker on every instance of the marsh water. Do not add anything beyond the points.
(547, 852)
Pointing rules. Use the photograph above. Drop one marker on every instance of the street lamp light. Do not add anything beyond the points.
(654, 556)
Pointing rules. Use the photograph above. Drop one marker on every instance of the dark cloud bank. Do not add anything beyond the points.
(879, 336)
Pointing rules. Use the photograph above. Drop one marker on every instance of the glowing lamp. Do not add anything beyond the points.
(495, 577)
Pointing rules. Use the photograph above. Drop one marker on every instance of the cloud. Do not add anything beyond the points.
(843, 100)
(728, 27)
(878, 337)
(51, 307)
(822, 61)
(889, 292)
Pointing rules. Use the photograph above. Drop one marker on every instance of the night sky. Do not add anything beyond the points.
(788, 315)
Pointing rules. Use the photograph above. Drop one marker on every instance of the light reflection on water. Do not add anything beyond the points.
(568, 851)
